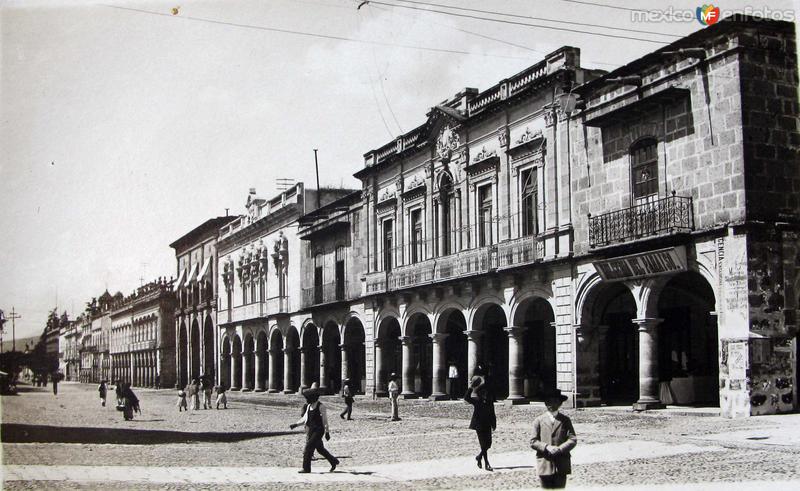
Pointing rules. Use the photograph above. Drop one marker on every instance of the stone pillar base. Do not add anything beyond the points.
(247, 389)
(259, 390)
(273, 391)
(384, 393)
(409, 396)
(516, 401)
(288, 391)
(439, 397)
(236, 388)
(647, 405)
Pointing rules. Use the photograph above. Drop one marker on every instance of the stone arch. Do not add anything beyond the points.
(208, 347)
(262, 357)
(354, 349)
(331, 357)
(388, 351)
(194, 346)
(248, 359)
(418, 367)
(490, 318)
(225, 362)
(613, 309)
(451, 323)
(585, 296)
(292, 362)
(183, 356)
(521, 299)
(236, 358)
(383, 314)
(536, 375)
(310, 354)
(480, 305)
(276, 356)
(415, 310)
(440, 312)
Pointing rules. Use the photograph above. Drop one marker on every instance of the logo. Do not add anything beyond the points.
(708, 15)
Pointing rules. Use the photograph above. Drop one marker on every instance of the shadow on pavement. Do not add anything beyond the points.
(24, 433)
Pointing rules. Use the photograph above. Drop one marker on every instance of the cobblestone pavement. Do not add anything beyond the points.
(249, 445)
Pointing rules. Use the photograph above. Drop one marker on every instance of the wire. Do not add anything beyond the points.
(595, 4)
(314, 34)
(515, 23)
(520, 16)
(383, 89)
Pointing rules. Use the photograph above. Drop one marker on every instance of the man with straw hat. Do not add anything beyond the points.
(553, 439)
(394, 394)
(315, 420)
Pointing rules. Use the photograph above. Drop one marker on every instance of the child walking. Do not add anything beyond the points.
(315, 419)
(182, 404)
(103, 390)
(221, 397)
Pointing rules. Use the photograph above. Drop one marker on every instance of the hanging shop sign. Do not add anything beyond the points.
(652, 263)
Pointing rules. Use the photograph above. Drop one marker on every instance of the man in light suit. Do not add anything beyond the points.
(553, 439)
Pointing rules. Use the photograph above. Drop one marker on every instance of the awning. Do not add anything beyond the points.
(180, 279)
(204, 270)
(192, 272)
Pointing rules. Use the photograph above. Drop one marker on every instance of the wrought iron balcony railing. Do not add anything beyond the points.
(664, 216)
(326, 293)
(514, 252)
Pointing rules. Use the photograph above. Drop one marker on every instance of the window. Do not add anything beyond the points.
(445, 216)
(318, 278)
(528, 200)
(484, 215)
(644, 168)
(416, 236)
(387, 245)
(341, 253)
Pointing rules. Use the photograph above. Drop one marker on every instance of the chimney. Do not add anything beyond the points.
(252, 190)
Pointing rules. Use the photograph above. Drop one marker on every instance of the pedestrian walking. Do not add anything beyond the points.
(315, 420)
(483, 419)
(182, 405)
(207, 387)
(158, 381)
(553, 439)
(131, 402)
(347, 394)
(55, 383)
(452, 374)
(394, 394)
(195, 394)
(103, 390)
(221, 397)
(118, 390)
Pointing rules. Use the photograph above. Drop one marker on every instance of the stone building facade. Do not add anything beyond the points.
(196, 290)
(142, 341)
(627, 237)
(260, 269)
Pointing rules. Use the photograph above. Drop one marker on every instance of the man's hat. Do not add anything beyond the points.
(554, 394)
(312, 393)
(477, 382)
(392, 376)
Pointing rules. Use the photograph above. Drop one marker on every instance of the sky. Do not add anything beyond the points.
(124, 125)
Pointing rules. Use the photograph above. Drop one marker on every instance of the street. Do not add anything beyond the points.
(69, 441)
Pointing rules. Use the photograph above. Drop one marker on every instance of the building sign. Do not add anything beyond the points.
(653, 263)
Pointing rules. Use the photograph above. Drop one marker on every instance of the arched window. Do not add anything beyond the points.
(644, 168)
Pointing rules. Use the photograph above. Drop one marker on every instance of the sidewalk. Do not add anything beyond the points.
(404, 471)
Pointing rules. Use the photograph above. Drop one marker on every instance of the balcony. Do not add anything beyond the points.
(248, 311)
(277, 305)
(327, 293)
(506, 254)
(142, 345)
(666, 216)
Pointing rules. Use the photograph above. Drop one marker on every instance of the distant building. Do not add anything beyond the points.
(196, 290)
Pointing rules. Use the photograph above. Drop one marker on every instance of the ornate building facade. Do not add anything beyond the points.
(196, 291)
(142, 342)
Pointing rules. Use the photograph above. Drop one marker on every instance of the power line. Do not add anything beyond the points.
(383, 89)
(314, 34)
(595, 4)
(557, 21)
(525, 24)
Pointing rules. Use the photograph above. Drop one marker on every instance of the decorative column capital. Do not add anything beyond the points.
(581, 333)
(438, 337)
(406, 340)
(473, 335)
(515, 331)
(647, 324)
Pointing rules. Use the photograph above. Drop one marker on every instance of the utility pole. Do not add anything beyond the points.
(2, 329)
(13, 316)
(316, 167)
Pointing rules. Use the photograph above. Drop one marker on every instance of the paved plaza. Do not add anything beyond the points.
(69, 441)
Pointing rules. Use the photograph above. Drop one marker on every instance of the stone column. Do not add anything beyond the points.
(587, 367)
(274, 363)
(247, 360)
(408, 367)
(236, 368)
(648, 365)
(345, 364)
(259, 361)
(380, 387)
(323, 380)
(305, 381)
(516, 371)
(439, 367)
(288, 371)
(473, 351)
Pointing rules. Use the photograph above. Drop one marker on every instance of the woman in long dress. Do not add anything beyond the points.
(131, 402)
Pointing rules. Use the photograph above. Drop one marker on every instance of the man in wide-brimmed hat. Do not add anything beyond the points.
(315, 420)
(483, 419)
(394, 394)
(553, 439)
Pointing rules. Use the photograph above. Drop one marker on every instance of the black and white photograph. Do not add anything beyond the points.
(399, 244)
